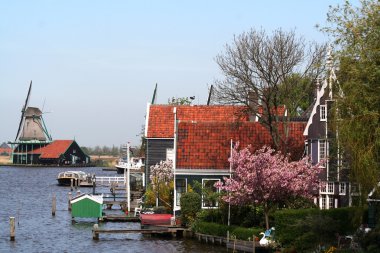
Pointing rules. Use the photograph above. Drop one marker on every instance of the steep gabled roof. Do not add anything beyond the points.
(206, 145)
(160, 118)
(54, 150)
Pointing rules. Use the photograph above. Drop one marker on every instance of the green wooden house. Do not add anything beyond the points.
(87, 206)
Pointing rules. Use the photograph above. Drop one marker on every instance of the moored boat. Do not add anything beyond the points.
(136, 163)
(75, 178)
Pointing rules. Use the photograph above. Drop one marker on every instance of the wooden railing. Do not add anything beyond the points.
(107, 181)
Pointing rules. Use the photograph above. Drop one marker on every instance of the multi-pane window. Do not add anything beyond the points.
(330, 187)
(331, 202)
(342, 188)
(323, 112)
(209, 196)
(323, 187)
(180, 186)
(322, 152)
(323, 206)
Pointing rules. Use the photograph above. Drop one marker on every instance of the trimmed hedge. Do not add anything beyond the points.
(211, 228)
(306, 226)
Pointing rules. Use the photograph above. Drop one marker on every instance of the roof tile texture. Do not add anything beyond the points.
(54, 150)
(161, 117)
(206, 145)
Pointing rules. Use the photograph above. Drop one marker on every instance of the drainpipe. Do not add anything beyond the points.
(175, 159)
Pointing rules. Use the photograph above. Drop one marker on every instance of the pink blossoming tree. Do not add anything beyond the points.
(161, 175)
(267, 178)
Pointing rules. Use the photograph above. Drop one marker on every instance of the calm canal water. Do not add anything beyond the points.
(26, 193)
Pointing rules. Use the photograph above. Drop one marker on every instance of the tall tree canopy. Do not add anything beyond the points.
(262, 70)
(356, 32)
(267, 178)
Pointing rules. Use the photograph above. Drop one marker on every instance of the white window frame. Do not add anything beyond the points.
(342, 188)
(322, 156)
(331, 202)
(330, 187)
(323, 112)
(217, 189)
(178, 194)
(323, 202)
(323, 187)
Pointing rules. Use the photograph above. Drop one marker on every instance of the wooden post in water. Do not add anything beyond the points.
(12, 228)
(54, 205)
(69, 202)
(71, 184)
(95, 234)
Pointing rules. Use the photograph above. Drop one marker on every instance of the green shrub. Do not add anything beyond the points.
(246, 233)
(210, 228)
(305, 228)
(190, 206)
(160, 209)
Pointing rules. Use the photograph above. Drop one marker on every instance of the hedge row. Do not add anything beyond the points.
(300, 226)
(210, 228)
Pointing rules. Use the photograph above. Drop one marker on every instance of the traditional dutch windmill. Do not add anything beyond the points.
(32, 133)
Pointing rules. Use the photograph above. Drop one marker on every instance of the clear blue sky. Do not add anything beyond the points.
(95, 63)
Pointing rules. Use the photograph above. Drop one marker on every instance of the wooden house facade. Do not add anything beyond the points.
(322, 147)
(199, 140)
(58, 152)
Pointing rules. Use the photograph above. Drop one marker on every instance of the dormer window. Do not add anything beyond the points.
(323, 112)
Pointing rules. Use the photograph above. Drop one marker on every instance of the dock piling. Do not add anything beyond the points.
(69, 202)
(54, 205)
(12, 228)
(95, 233)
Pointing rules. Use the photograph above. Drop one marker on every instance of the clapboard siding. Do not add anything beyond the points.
(156, 152)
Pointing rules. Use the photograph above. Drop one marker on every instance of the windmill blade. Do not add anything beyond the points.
(23, 111)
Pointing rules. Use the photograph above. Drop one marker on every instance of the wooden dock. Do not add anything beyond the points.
(153, 230)
(236, 245)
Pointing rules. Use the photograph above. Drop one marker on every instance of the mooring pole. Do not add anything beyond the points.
(54, 205)
(95, 234)
(12, 228)
(69, 202)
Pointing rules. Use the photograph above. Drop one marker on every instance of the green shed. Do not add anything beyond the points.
(87, 206)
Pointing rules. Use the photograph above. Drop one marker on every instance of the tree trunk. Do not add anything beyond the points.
(266, 214)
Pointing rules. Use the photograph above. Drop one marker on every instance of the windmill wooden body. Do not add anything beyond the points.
(31, 134)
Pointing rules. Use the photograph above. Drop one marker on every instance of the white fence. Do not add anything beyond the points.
(107, 181)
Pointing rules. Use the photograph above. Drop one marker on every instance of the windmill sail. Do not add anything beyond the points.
(154, 98)
(23, 111)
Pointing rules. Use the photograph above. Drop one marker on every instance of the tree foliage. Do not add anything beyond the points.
(267, 178)
(262, 70)
(356, 32)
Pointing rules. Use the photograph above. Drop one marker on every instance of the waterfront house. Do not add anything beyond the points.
(5, 149)
(61, 152)
(58, 152)
(199, 140)
(322, 147)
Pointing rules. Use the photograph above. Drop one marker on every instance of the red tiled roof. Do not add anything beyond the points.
(54, 150)
(206, 145)
(161, 117)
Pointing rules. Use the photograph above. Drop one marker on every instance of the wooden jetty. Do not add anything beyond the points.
(152, 230)
(236, 245)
